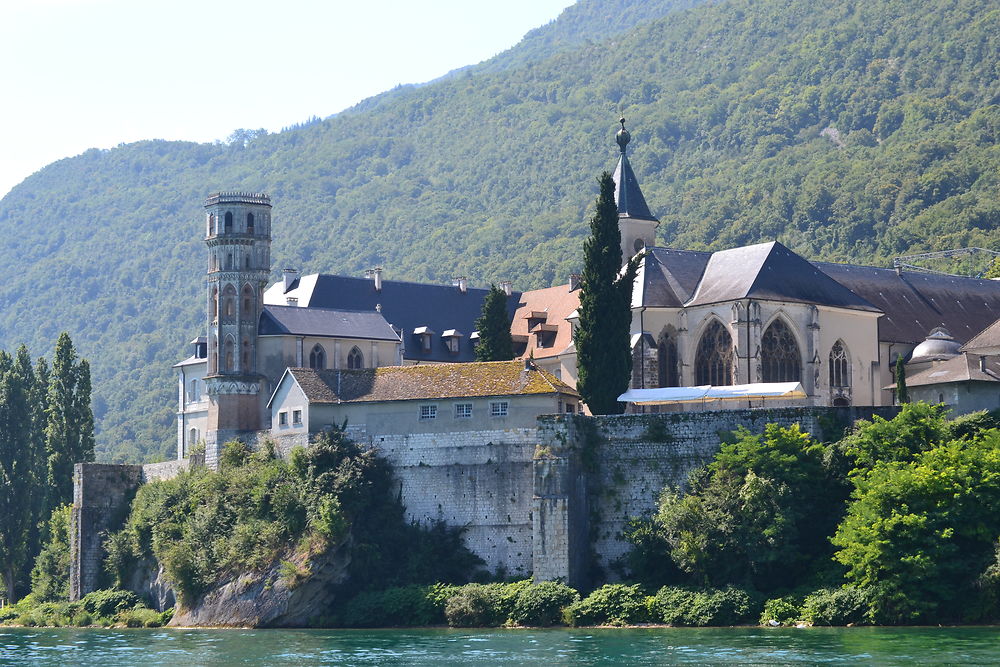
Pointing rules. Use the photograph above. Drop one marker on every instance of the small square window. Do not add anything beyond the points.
(428, 411)
(296, 416)
(570, 408)
(498, 408)
(463, 410)
(282, 419)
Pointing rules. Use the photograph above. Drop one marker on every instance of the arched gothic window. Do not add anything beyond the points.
(229, 261)
(714, 358)
(211, 224)
(317, 358)
(355, 359)
(229, 302)
(249, 223)
(840, 367)
(248, 302)
(228, 355)
(229, 222)
(780, 358)
(213, 355)
(213, 306)
(667, 357)
(245, 357)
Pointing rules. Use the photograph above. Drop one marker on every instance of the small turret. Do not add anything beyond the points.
(636, 223)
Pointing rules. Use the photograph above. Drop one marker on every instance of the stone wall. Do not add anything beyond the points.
(102, 495)
(593, 474)
(479, 480)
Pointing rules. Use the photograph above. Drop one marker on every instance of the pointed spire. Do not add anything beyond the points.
(628, 195)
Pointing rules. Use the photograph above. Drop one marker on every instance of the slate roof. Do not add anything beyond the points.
(913, 302)
(987, 338)
(291, 320)
(404, 305)
(963, 368)
(771, 271)
(628, 195)
(557, 303)
(429, 381)
(667, 278)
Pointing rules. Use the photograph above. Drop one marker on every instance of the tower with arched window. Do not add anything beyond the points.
(239, 264)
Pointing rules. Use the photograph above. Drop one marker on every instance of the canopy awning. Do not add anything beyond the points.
(760, 390)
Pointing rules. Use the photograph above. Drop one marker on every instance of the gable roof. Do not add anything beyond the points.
(404, 305)
(291, 320)
(428, 381)
(963, 368)
(667, 278)
(913, 302)
(556, 303)
(988, 338)
(771, 271)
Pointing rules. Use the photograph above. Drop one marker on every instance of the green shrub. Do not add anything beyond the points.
(395, 607)
(837, 606)
(140, 618)
(50, 575)
(475, 606)
(110, 602)
(82, 619)
(541, 604)
(784, 611)
(611, 604)
(684, 606)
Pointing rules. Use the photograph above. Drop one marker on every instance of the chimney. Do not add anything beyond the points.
(289, 276)
(375, 274)
(461, 283)
(507, 287)
(574, 281)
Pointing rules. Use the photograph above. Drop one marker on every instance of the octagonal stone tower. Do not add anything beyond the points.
(238, 236)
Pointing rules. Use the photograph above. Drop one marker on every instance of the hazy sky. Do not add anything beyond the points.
(78, 74)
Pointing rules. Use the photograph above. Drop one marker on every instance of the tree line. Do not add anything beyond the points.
(46, 426)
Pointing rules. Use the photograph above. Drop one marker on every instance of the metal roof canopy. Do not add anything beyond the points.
(736, 392)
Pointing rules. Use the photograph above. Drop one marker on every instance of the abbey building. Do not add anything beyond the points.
(753, 314)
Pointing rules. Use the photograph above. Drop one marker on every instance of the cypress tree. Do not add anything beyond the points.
(902, 393)
(604, 362)
(495, 343)
(20, 482)
(69, 431)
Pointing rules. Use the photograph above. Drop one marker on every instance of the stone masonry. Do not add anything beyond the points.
(550, 501)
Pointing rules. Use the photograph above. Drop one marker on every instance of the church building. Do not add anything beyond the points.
(759, 314)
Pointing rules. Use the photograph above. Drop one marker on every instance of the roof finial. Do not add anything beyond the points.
(623, 137)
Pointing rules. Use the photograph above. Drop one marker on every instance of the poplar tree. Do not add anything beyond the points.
(20, 468)
(69, 431)
(495, 343)
(604, 362)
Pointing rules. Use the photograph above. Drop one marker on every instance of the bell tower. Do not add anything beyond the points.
(238, 236)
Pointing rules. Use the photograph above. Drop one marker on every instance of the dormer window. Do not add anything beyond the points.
(452, 338)
(536, 317)
(425, 335)
(545, 334)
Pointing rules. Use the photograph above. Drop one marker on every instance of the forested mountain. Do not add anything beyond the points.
(855, 130)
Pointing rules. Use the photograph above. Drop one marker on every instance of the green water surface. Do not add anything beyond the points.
(647, 646)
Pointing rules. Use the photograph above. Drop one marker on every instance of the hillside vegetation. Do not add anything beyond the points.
(849, 131)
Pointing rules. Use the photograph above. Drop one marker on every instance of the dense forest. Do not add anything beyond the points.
(852, 131)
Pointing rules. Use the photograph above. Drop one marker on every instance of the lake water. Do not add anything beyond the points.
(647, 646)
